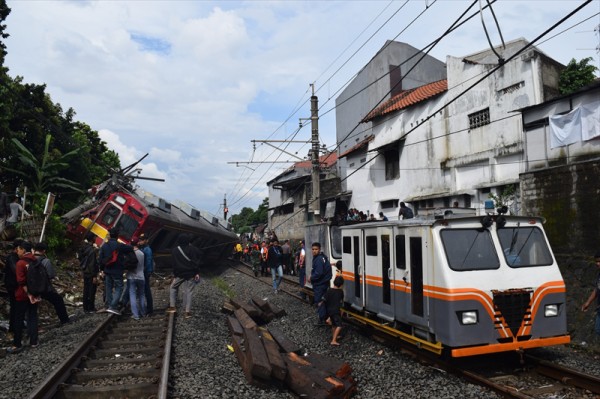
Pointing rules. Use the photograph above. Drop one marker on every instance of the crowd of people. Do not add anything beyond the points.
(22, 264)
(29, 273)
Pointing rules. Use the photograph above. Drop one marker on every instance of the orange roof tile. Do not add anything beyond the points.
(325, 160)
(409, 97)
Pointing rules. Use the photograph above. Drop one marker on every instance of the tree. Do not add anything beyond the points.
(248, 218)
(44, 175)
(576, 75)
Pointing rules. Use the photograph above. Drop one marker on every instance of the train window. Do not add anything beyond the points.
(469, 249)
(371, 245)
(109, 216)
(127, 226)
(524, 247)
(336, 241)
(401, 251)
(347, 245)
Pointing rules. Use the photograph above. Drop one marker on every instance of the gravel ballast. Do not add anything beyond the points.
(204, 367)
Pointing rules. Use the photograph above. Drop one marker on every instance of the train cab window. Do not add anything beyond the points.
(524, 247)
(401, 251)
(469, 249)
(347, 245)
(336, 241)
(109, 216)
(127, 226)
(371, 242)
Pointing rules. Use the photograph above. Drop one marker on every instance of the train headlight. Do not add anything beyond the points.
(551, 310)
(468, 317)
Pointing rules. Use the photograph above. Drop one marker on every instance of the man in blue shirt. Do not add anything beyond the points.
(320, 276)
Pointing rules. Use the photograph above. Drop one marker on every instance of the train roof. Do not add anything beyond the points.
(448, 219)
(179, 213)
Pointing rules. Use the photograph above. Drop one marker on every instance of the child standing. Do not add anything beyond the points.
(334, 297)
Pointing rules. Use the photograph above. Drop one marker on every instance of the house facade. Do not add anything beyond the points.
(396, 67)
(289, 194)
(562, 177)
(453, 141)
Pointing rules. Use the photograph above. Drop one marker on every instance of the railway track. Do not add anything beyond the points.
(122, 358)
(529, 377)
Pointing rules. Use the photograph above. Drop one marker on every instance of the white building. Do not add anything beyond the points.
(453, 140)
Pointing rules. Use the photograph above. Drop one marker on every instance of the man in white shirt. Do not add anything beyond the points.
(15, 208)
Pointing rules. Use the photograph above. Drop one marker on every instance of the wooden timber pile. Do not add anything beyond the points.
(268, 357)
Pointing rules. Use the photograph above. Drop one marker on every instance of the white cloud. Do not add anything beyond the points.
(192, 83)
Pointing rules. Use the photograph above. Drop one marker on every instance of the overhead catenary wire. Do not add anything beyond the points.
(492, 71)
(303, 103)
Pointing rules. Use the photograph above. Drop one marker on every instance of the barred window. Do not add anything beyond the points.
(479, 118)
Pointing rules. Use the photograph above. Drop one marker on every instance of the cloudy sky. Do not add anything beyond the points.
(193, 82)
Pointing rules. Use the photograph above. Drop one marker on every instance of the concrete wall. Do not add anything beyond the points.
(568, 197)
(373, 83)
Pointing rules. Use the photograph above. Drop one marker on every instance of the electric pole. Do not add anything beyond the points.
(225, 210)
(316, 186)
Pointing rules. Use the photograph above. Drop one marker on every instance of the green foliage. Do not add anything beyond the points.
(576, 75)
(506, 197)
(248, 219)
(43, 175)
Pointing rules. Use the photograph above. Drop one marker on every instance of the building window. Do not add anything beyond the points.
(389, 204)
(479, 118)
(392, 164)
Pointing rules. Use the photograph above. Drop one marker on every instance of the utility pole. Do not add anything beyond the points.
(316, 170)
(225, 209)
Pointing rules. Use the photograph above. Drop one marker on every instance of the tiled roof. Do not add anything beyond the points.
(409, 97)
(325, 161)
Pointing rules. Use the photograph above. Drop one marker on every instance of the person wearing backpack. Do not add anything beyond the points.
(111, 268)
(135, 282)
(88, 263)
(10, 282)
(25, 303)
(39, 250)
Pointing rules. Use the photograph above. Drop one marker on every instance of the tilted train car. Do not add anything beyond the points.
(462, 285)
(161, 221)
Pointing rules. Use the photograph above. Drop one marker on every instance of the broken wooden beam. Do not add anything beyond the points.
(278, 367)
(244, 319)
(256, 355)
(235, 328)
(284, 342)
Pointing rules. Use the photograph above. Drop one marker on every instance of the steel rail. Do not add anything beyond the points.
(48, 388)
(164, 375)
(565, 375)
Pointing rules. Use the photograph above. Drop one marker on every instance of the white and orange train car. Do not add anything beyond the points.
(461, 285)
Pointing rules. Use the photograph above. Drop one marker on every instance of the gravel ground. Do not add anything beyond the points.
(204, 367)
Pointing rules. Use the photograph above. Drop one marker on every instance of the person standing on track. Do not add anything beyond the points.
(320, 276)
(111, 268)
(301, 269)
(52, 296)
(88, 263)
(148, 270)
(186, 265)
(274, 262)
(285, 261)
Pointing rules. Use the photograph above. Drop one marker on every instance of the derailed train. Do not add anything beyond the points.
(461, 285)
(163, 223)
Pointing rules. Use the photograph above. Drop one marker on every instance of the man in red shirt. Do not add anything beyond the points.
(25, 303)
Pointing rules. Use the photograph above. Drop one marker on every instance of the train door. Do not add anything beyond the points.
(416, 243)
(402, 298)
(352, 259)
(386, 269)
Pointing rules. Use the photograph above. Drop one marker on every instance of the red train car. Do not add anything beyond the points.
(161, 221)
